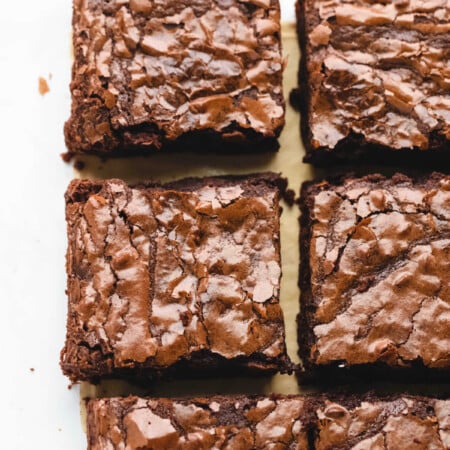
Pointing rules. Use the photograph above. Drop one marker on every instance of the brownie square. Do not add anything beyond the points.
(239, 422)
(375, 285)
(181, 278)
(191, 75)
(374, 80)
(392, 422)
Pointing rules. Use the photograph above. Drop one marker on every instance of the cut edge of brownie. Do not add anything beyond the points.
(200, 364)
(309, 372)
(196, 364)
(239, 140)
(353, 147)
(310, 400)
(79, 190)
(304, 333)
(300, 97)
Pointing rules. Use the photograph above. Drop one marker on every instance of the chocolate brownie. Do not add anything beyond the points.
(394, 423)
(375, 286)
(375, 79)
(181, 278)
(190, 75)
(240, 422)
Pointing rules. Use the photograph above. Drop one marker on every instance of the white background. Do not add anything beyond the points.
(37, 409)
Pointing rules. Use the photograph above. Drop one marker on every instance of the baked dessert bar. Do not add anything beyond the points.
(393, 422)
(181, 278)
(374, 80)
(374, 277)
(194, 75)
(239, 422)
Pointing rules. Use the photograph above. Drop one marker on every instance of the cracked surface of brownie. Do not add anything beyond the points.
(375, 75)
(240, 422)
(383, 423)
(375, 265)
(148, 73)
(183, 274)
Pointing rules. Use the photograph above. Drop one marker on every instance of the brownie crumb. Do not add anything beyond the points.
(294, 99)
(289, 196)
(67, 156)
(31, 369)
(79, 165)
(43, 86)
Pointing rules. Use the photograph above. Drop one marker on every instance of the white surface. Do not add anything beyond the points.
(37, 411)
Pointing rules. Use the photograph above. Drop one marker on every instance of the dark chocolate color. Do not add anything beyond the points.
(375, 292)
(190, 75)
(277, 422)
(381, 423)
(181, 278)
(374, 80)
(228, 423)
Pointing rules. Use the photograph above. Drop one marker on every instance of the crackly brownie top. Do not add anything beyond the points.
(379, 69)
(400, 423)
(178, 65)
(380, 264)
(218, 422)
(158, 273)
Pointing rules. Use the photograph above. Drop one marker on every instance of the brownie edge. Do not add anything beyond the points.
(180, 279)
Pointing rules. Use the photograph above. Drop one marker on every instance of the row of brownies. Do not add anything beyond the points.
(180, 279)
(185, 277)
(374, 79)
(275, 422)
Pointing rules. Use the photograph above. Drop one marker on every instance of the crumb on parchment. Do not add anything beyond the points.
(43, 86)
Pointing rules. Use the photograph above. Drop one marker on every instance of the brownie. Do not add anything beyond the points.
(395, 423)
(374, 80)
(374, 277)
(174, 279)
(338, 422)
(240, 422)
(190, 75)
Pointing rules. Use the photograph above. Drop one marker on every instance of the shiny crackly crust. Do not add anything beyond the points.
(149, 74)
(378, 423)
(374, 78)
(238, 422)
(374, 275)
(174, 278)
(325, 422)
